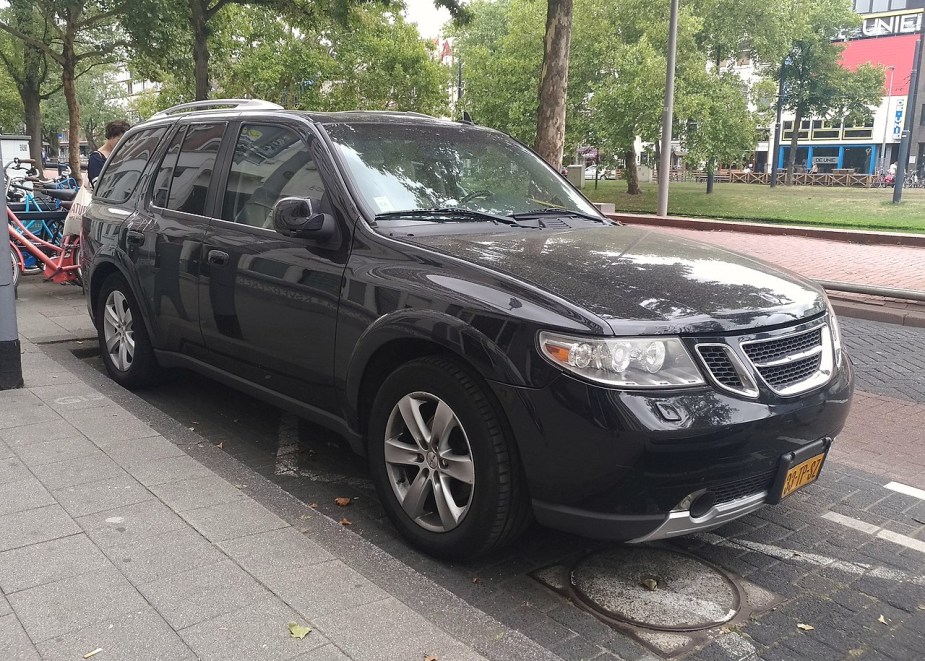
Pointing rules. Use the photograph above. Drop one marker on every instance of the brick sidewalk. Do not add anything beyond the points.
(886, 266)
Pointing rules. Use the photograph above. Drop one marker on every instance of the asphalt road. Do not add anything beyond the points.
(836, 571)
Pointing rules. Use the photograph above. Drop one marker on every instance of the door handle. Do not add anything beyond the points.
(134, 237)
(218, 257)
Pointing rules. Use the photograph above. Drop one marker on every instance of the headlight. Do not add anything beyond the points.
(630, 362)
(836, 332)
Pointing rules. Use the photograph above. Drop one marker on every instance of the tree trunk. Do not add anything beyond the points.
(711, 175)
(632, 176)
(794, 143)
(198, 9)
(73, 112)
(31, 102)
(550, 121)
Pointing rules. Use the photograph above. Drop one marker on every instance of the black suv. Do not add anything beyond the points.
(438, 295)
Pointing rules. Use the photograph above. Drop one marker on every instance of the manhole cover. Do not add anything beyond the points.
(688, 594)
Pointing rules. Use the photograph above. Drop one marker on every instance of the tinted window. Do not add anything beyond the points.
(126, 165)
(270, 162)
(165, 171)
(193, 171)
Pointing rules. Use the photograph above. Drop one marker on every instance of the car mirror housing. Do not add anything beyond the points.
(300, 218)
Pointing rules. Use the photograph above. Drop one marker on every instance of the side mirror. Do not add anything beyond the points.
(301, 218)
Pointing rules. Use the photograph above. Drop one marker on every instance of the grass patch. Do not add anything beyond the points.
(856, 208)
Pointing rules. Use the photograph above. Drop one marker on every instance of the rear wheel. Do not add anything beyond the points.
(15, 261)
(124, 343)
(443, 465)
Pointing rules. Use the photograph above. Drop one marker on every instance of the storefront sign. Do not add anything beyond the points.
(825, 160)
(886, 25)
(898, 119)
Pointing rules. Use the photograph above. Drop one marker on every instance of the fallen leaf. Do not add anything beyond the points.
(342, 501)
(93, 653)
(191, 428)
(346, 522)
(476, 579)
(299, 631)
(805, 627)
(221, 444)
(922, 607)
(881, 620)
(650, 584)
(430, 657)
(314, 506)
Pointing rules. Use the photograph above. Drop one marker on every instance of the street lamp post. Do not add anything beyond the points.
(900, 178)
(10, 358)
(886, 122)
(664, 166)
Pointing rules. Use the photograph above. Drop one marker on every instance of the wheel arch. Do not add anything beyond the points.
(409, 334)
(102, 269)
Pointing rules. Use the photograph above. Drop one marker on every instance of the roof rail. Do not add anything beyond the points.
(242, 104)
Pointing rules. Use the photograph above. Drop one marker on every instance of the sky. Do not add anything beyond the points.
(428, 18)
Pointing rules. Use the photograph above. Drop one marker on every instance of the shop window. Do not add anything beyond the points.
(860, 131)
(825, 130)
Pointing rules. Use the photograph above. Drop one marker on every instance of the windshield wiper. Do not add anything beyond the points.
(555, 211)
(453, 213)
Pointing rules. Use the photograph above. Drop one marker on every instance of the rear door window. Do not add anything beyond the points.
(161, 188)
(189, 185)
(125, 166)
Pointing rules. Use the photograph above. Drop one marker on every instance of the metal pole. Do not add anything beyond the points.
(910, 118)
(664, 166)
(886, 123)
(777, 126)
(10, 356)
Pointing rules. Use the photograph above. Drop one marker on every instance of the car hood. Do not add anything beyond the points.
(640, 281)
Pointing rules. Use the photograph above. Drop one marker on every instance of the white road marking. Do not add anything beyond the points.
(881, 533)
(906, 489)
(856, 568)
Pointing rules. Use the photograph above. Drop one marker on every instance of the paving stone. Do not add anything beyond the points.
(317, 590)
(23, 409)
(256, 632)
(34, 526)
(82, 470)
(204, 593)
(239, 518)
(577, 649)
(14, 643)
(148, 559)
(140, 635)
(138, 451)
(128, 523)
(47, 562)
(269, 553)
(388, 629)
(192, 494)
(65, 398)
(83, 499)
(38, 432)
(151, 472)
(5, 451)
(4, 606)
(325, 653)
(12, 469)
(73, 603)
(58, 450)
(109, 425)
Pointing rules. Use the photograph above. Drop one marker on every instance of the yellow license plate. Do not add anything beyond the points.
(802, 474)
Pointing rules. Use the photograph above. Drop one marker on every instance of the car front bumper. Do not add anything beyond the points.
(620, 465)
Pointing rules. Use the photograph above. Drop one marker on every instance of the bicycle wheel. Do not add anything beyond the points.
(15, 261)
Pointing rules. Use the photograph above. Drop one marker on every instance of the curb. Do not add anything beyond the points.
(863, 237)
(874, 312)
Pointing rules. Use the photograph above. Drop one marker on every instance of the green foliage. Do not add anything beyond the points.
(96, 91)
(722, 129)
(11, 107)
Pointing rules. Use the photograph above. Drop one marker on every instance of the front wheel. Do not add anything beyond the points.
(124, 343)
(444, 467)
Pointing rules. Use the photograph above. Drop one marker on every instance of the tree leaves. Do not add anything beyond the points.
(299, 631)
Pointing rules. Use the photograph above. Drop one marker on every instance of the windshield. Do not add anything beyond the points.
(405, 167)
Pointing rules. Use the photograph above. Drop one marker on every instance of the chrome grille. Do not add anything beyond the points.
(765, 352)
(783, 376)
(720, 365)
(790, 361)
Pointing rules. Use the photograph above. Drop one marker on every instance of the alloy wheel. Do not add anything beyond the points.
(429, 462)
(119, 331)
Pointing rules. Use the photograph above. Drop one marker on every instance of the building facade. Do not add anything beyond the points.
(887, 36)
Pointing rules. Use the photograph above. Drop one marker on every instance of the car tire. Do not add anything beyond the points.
(462, 495)
(124, 343)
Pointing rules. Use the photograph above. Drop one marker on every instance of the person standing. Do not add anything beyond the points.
(114, 132)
